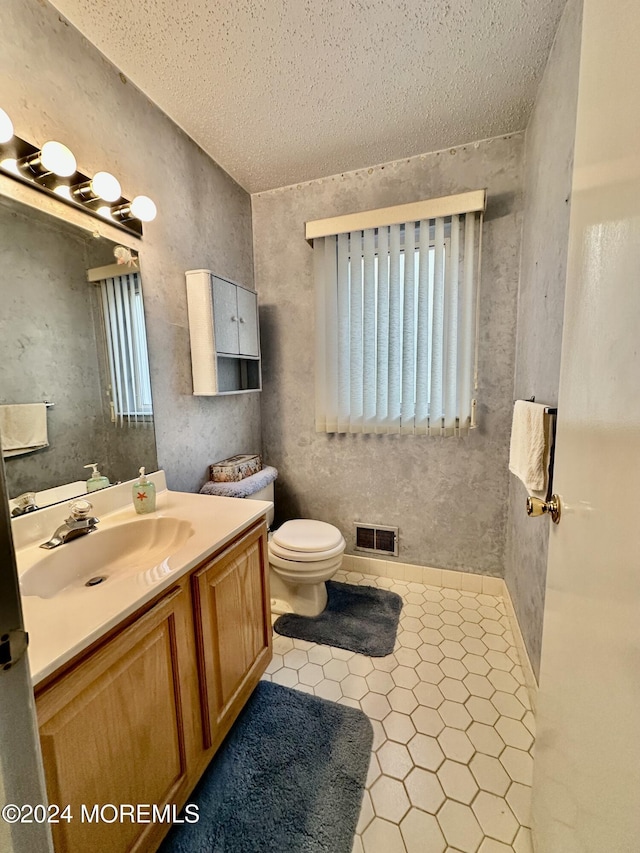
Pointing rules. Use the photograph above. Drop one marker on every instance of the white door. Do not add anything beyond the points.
(586, 794)
(21, 773)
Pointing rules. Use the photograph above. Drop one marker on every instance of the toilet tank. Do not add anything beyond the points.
(265, 494)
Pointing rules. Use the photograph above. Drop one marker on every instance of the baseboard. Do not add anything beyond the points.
(529, 675)
(468, 581)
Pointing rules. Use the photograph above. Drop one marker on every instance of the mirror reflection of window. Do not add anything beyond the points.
(126, 341)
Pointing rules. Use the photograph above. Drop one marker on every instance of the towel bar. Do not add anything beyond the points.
(548, 410)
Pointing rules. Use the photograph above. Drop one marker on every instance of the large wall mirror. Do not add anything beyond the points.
(58, 331)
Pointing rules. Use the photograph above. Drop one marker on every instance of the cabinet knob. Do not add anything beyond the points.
(234, 319)
(242, 319)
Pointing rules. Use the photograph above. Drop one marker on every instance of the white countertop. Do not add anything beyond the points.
(63, 625)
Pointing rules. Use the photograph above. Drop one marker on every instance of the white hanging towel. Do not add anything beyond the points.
(528, 452)
(23, 428)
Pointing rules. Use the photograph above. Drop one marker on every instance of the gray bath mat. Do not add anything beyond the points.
(289, 778)
(358, 618)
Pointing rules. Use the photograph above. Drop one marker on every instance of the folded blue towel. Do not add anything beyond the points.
(243, 488)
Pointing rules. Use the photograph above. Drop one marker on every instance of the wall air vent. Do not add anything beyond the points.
(376, 539)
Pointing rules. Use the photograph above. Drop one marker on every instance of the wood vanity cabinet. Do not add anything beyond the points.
(138, 718)
(116, 728)
(233, 631)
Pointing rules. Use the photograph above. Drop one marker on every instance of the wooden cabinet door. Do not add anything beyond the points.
(247, 322)
(117, 730)
(233, 631)
(225, 315)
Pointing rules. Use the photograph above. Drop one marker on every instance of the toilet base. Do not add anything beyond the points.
(306, 599)
(279, 607)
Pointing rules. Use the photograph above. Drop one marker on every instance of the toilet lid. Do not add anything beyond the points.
(304, 534)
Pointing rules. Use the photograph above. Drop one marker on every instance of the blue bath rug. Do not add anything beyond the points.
(289, 778)
(362, 619)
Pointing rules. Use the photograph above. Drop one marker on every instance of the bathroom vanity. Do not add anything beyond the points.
(149, 669)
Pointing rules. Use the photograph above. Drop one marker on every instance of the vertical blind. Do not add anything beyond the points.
(396, 327)
(126, 340)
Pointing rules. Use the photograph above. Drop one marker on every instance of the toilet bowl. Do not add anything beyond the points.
(303, 555)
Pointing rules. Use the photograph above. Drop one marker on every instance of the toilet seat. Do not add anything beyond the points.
(305, 556)
(307, 535)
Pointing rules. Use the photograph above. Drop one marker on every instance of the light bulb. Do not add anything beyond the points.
(105, 212)
(106, 186)
(63, 191)
(10, 165)
(57, 158)
(6, 127)
(143, 208)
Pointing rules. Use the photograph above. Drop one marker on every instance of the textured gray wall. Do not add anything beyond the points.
(548, 171)
(448, 496)
(54, 84)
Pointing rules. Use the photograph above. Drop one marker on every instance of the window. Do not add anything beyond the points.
(396, 340)
(126, 340)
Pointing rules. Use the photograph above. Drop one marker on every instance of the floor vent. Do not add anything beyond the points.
(376, 539)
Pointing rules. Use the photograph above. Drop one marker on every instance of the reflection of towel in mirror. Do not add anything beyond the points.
(23, 428)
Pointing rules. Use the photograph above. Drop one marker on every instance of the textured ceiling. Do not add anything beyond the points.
(283, 91)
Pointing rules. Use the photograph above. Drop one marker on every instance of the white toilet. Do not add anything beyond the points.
(303, 554)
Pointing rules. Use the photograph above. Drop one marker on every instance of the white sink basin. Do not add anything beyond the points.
(131, 548)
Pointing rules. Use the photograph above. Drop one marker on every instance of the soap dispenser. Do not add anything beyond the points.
(144, 494)
(96, 480)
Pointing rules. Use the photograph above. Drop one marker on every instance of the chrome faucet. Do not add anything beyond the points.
(24, 503)
(78, 524)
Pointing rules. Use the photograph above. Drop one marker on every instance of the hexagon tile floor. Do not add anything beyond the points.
(453, 730)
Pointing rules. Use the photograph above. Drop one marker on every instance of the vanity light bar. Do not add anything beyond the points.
(52, 169)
